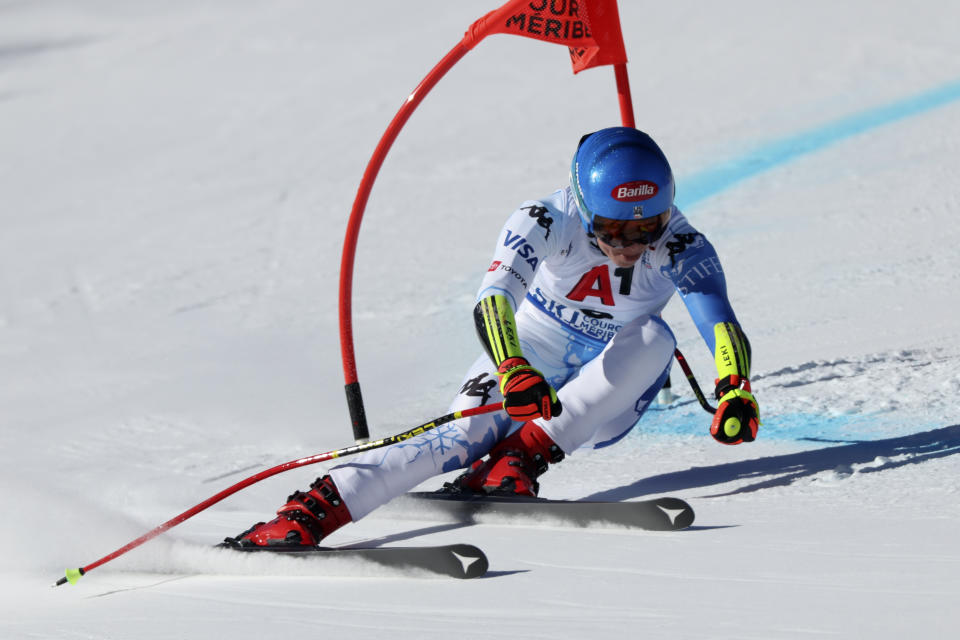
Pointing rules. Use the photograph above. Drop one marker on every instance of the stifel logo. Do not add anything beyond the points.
(634, 191)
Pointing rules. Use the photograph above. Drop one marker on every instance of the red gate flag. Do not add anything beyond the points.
(589, 28)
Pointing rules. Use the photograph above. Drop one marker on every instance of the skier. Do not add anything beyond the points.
(568, 314)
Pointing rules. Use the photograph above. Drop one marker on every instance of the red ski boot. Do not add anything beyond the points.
(513, 466)
(307, 518)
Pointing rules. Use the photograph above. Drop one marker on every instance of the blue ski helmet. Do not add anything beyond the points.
(620, 173)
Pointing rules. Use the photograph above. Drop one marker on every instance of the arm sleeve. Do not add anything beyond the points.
(528, 237)
(497, 328)
(697, 274)
(692, 265)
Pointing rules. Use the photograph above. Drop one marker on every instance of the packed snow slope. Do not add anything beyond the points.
(175, 180)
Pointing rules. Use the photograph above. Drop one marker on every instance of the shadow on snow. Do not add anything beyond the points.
(775, 471)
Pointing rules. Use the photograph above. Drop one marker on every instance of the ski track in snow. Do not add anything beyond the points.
(175, 181)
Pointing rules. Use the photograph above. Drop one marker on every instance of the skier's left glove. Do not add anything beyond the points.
(737, 418)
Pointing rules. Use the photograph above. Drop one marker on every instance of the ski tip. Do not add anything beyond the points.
(473, 561)
(679, 512)
(71, 576)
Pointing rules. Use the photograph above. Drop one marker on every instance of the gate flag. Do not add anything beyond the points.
(589, 28)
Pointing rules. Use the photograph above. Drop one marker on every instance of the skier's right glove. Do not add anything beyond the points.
(737, 418)
(526, 394)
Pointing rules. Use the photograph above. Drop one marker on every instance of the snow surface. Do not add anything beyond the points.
(175, 180)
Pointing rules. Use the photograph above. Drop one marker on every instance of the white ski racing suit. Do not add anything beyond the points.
(593, 329)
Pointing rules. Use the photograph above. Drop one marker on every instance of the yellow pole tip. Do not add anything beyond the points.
(73, 575)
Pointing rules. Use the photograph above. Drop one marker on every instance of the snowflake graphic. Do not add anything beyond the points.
(447, 445)
(441, 440)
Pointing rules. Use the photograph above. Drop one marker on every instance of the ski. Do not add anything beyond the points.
(659, 514)
(462, 561)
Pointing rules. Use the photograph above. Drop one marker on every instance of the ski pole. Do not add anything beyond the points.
(73, 575)
(693, 382)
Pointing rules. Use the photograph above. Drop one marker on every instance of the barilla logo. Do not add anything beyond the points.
(634, 191)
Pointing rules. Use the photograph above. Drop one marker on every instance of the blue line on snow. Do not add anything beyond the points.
(710, 182)
(691, 421)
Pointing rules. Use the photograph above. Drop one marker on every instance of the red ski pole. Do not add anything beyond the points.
(73, 575)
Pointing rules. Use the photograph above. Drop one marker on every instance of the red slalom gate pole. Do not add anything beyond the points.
(352, 387)
(73, 575)
(623, 95)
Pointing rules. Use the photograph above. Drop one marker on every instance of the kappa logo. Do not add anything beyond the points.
(479, 388)
(634, 191)
(679, 244)
(540, 214)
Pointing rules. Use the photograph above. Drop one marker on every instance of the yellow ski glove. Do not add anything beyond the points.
(737, 418)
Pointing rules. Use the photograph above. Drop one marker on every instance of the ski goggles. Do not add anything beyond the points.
(623, 233)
